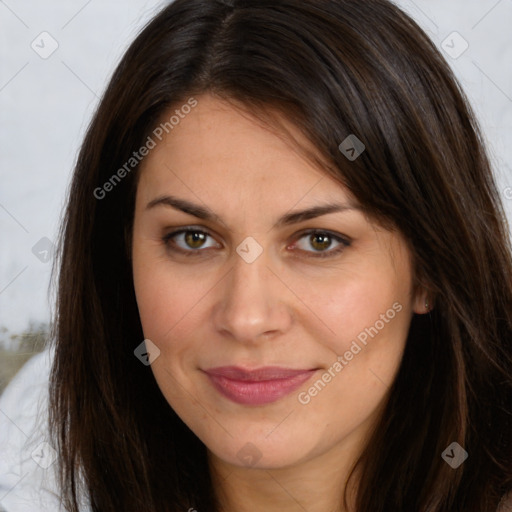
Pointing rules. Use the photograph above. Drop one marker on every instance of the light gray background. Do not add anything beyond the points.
(46, 104)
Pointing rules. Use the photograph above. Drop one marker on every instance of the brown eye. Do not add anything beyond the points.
(195, 239)
(190, 241)
(320, 241)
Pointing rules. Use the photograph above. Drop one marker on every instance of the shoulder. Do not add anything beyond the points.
(28, 461)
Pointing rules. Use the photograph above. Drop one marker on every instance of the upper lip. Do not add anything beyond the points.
(257, 374)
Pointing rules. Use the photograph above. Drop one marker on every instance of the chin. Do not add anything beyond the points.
(260, 452)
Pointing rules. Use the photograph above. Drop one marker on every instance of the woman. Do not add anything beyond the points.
(285, 276)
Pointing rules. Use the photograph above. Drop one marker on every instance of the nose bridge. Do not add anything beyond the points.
(251, 303)
(249, 278)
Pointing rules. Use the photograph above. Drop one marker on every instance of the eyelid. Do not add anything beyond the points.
(333, 234)
(184, 229)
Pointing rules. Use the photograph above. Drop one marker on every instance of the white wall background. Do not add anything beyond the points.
(46, 104)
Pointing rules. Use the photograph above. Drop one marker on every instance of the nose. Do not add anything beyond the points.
(252, 303)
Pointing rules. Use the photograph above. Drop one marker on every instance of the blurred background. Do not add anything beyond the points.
(56, 58)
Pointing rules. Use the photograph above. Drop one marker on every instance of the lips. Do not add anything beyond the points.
(259, 386)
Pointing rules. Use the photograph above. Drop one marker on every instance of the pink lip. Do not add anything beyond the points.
(259, 386)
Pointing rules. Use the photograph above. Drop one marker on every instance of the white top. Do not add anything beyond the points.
(27, 460)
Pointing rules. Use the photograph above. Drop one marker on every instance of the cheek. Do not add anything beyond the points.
(162, 297)
(368, 312)
(171, 304)
(166, 304)
(370, 321)
(367, 304)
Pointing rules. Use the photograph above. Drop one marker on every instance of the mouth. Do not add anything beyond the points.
(259, 386)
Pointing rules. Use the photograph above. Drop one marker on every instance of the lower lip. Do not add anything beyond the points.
(258, 392)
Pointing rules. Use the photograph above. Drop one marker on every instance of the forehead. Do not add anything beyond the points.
(220, 147)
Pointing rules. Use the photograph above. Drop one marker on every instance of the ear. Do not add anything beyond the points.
(423, 302)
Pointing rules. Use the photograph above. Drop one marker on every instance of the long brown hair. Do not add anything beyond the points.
(334, 68)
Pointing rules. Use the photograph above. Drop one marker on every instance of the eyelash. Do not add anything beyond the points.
(344, 242)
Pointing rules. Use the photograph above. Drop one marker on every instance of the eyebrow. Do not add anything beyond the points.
(203, 212)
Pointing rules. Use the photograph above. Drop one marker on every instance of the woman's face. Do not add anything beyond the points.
(280, 311)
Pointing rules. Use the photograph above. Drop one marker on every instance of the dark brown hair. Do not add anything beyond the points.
(333, 68)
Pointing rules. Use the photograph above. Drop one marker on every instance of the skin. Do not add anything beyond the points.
(287, 308)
